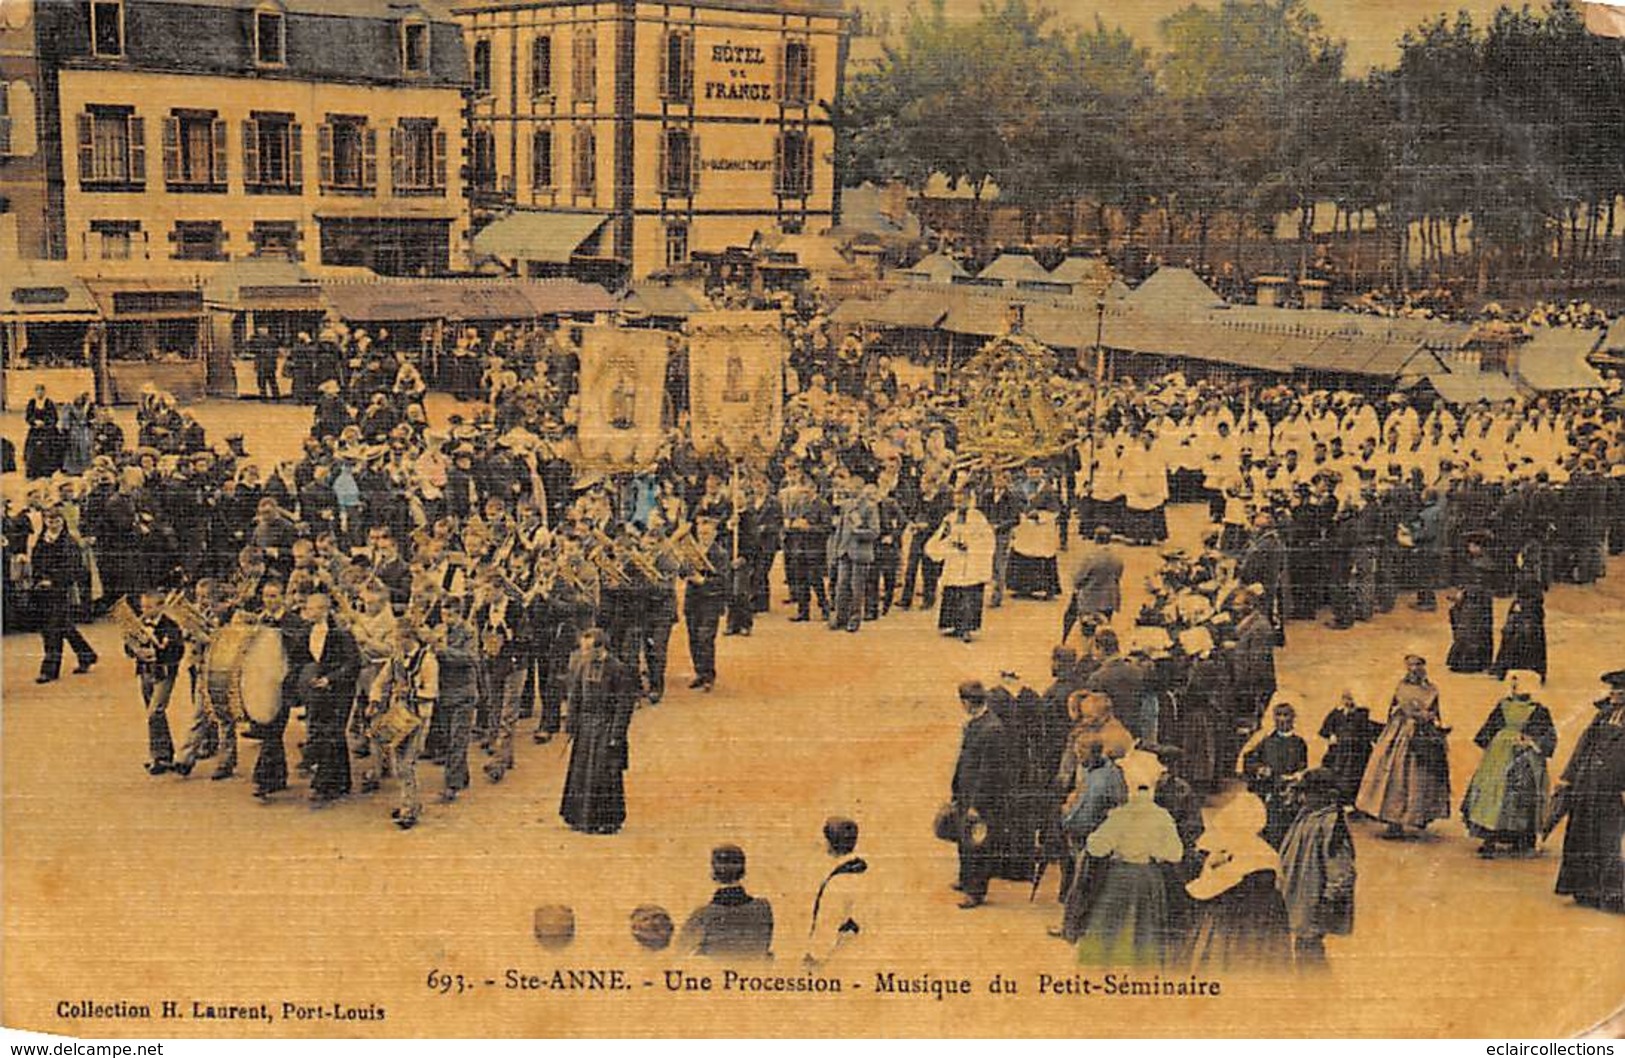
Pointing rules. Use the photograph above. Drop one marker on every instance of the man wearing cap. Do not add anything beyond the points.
(1591, 795)
(734, 925)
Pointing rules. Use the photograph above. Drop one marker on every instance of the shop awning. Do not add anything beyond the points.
(546, 237)
(46, 296)
(146, 299)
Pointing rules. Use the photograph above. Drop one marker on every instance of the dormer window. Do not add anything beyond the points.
(270, 37)
(415, 46)
(107, 28)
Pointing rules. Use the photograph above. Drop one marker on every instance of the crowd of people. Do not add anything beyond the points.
(434, 586)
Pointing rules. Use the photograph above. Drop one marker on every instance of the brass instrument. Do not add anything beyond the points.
(137, 634)
(602, 556)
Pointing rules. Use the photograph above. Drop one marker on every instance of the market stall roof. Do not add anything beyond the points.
(906, 307)
(1468, 387)
(263, 285)
(464, 299)
(546, 236)
(1174, 291)
(1435, 334)
(1092, 273)
(1614, 342)
(662, 299)
(1371, 357)
(937, 268)
(40, 293)
(1013, 268)
(1555, 358)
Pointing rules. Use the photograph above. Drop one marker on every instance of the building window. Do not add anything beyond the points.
(417, 149)
(349, 154)
(112, 148)
(792, 164)
(541, 67)
(677, 162)
(270, 44)
(541, 160)
(275, 238)
(677, 67)
(107, 28)
(415, 46)
(5, 119)
(194, 151)
(273, 154)
(199, 240)
(482, 66)
(676, 245)
(116, 237)
(796, 73)
(584, 72)
(584, 179)
(482, 160)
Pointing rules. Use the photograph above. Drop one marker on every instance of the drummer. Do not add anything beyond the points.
(214, 727)
(400, 704)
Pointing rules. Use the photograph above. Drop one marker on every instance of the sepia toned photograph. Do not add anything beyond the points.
(833, 519)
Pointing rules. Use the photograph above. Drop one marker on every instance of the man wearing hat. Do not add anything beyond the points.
(58, 566)
(1591, 796)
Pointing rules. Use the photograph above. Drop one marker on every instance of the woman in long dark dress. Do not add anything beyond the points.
(42, 447)
(1472, 615)
(1506, 798)
(1241, 917)
(1523, 636)
(594, 799)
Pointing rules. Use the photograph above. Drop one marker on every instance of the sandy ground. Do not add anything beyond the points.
(121, 887)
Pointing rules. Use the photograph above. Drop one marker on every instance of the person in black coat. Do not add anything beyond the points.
(1350, 733)
(1272, 766)
(59, 575)
(42, 446)
(979, 793)
(1590, 795)
(327, 688)
(734, 925)
(157, 653)
(271, 766)
(703, 603)
(601, 695)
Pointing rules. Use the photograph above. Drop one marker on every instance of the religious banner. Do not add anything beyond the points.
(736, 381)
(623, 387)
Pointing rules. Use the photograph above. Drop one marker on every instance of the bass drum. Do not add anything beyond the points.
(243, 672)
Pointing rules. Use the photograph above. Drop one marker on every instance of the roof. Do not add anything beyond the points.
(1092, 271)
(662, 299)
(538, 235)
(937, 268)
(1554, 358)
(1012, 268)
(464, 299)
(1435, 334)
(870, 210)
(1171, 291)
(1614, 342)
(266, 283)
(1470, 387)
(907, 307)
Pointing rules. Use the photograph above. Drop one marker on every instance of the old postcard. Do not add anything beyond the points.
(812, 518)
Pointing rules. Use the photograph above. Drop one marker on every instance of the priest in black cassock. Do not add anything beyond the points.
(601, 692)
(1590, 795)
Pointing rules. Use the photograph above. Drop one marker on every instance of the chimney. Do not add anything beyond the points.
(1314, 293)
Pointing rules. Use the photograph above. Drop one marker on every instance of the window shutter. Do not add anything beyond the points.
(688, 68)
(172, 150)
(663, 162)
(138, 149)
(778, 164)
(251, 152)
(693, 165)
(324, 153)
(811, 92)
(806, 164)
(397, 163)
(369, 158)
(296, 155)
(87, 147)
(219, 170)
(665, 67)
(779, 85)
(440, 159)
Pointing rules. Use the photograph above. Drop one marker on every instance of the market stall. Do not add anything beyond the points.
(154, 332)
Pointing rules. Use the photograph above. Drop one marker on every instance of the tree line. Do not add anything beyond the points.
(1495, 146)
